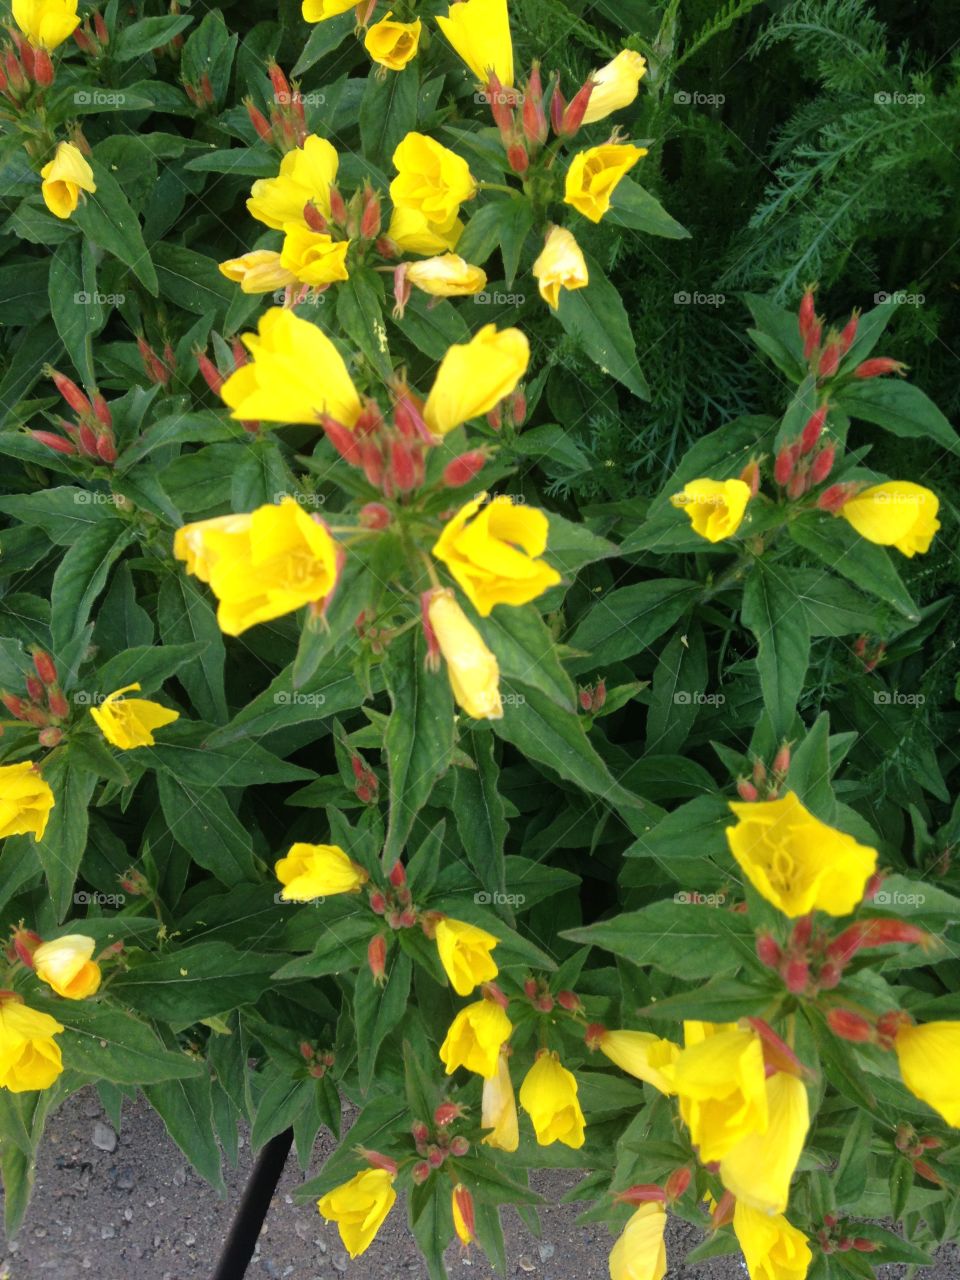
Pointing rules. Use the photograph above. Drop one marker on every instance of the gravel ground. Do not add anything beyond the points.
(128, 1207)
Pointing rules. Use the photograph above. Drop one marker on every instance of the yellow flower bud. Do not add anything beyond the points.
(306, 173)
(431, 180)
(772, 1248)
(642, 1055)
(448, 276)
(259, 271)
(392, 44)
(29, 1056)
(640, 1252)
(63, 178)
(559, 266)
(615, 85)
(476, 375)
(721, 1080)
(797, 862)
(475, 1037)
(499, 1109)
(317, 871)
(759, 1168)
(25, 800)
(411, 232)
(321, 10)
(929, 1055)
(897, 514)
(716, 507)
(129, 722)
(65, 964)
(465, 954)
(358, 1207)
(46, 23)
(473, 670)
(549, 1097)
(313, 257)
(479, 31)
(461, 1205)
(594, 174)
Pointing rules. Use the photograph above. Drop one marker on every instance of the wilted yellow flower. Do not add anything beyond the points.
(929, 1055)
(25, 800)
(431, 180)
(392, 44)
(721, 1080)
(716, 507)
(448, 276)
(640, 1252)
(296, 375)
(46, 23)
(63, 178)
(259, 271)
(465, 954)
(475, 1037)
(461, 1205)
(410, 231)
(772, 1248)
(65, 964)
(758, 1170)
(358, 1207)
(476, 375)
(129, 722)
(796, 861)
(260, 566)
(559, 266)
(313, 257)
(317, 871)
(29, 1056)
(594, 174)
(494, 556)
(479, 31)
(306, 174)
(615, 85)
(897, 514)
(498, 1109)
(641, 1054)
(549, 1097)
(473, 670)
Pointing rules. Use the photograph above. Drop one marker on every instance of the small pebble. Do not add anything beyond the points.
(104, 1136)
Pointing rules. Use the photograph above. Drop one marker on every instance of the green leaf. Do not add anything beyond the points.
(186, 1109)
(388, 111)
(278, 1106)
(596, 318)
(432, 324)
(431, 1219)
(479, 811)
(107, 218)
(627, 620)
(780, 626)
(690, 940)
(866, 565)
(75, 303)
(378, 1010)
(526, 651)
(898, 407)
(195, 981)
(633, 206)
(332, 689)
(81, 576)
(850, 1180)
(834, 608)
(516, 219)
(148, 34)
(341, 945)
(108, 1043)
(323, 39)
(186, 617)
(360, 314)
(679, 685)
(65, 837)
(571, 545)
(691, 832)
(192, 280)
(204, 824)
(147, 665)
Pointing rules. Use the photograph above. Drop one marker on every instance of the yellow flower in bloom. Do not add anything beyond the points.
(549, 1097)
(358, 1207)
(46, 23)
(431, 180)
(897, 514)
(560, 266)
(758, 1169)
(129, 722)
(640, 1252)
(317, 871)
(716, 507)
(306, 174)
(594, 174)
(721, 1081)
(66, 965)
(25, 800)
(260, 566)
(321, 10)
(296, 375)
(465, 954)
(29, 1056)
(479, 31)
(258, 271)
(476, 375)
(392, 44)
(929, 1057)
(411, 232)
(796, 861)
(475, 1037)
(448, 276)
(313, 257)
(772, 1248)
(642, 1055)
(473, 670)
(615, 85)
(63, 178)
(494, 556)
(498, 1111)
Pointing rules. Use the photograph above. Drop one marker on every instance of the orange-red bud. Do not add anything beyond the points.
(811, 431)
(746, 790)
(879, 366)
(377, 957)
(785, 462)
(829, 359)
(768, 951)
(850, 1026)
(823, 464)
(461, 470)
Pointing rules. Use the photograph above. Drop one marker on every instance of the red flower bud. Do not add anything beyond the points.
(829, 976)
(464, 1202)
(849, 331)
(42, 68)
(641, 1193)
(530, 988)
(924, 1170)
(517, 157)
(796, 975)
(535, 125)
(781, 761)
(35, 688)
(370, 217)
(594, 1036)
(377, 958)
(823, 464)
(44, 666)
(573, 116)
(501, 105)
(402, 466)
(51, 737)
(811, 432)
(464, 468)
(768, 951)
(459, 1146)
(338, 209)
(421, 1172)
(58, 704)
(14, 705)
(834, 498)
(211, 374)
(785, 462)
(676, 1184)
(100, 26)
(812, 340)
(829, 359)
(544, 1003)
(398, 876)
(435, 1157)
(570, 1001)
(750, 475)
(54, 442)
(850, 1026)
(746, 790)
(446, 1113)
(862, 1245)
(106, 449)
(806, 315)
(374, 515)
(879, 366)
(70, 391)
(378, 902)
(420, 1131)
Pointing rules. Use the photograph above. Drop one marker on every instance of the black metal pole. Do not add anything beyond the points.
(241, 1242)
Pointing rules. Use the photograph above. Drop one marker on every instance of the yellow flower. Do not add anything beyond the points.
(494, 556)
(46, 23)
(260, 566)
(317, 871)
(772, 1248)
(461, 1205)
(29, 1056)
(313, 257)
(473, 670)
(549, 1097)
(259, 271)
(498, 1111)
(560, 266)
(759, 1168)
(640, 1252)
(929, 1055)
(412, 233)
(431, 180)
(448, 276)
(722, 1086)
(479, 31)
(63, 178)
(641, 1054)
(25, 800)
(129, 722)
(296, 375)
(476, 375)
(615, 85)
(358, 1207)
(716, 507)
(306, 173)
(475, 1037)
(897, 514)
(392, 44)
(465, 954)
(593, 175)
(321, 10)
(66, 965)
(796, 861)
